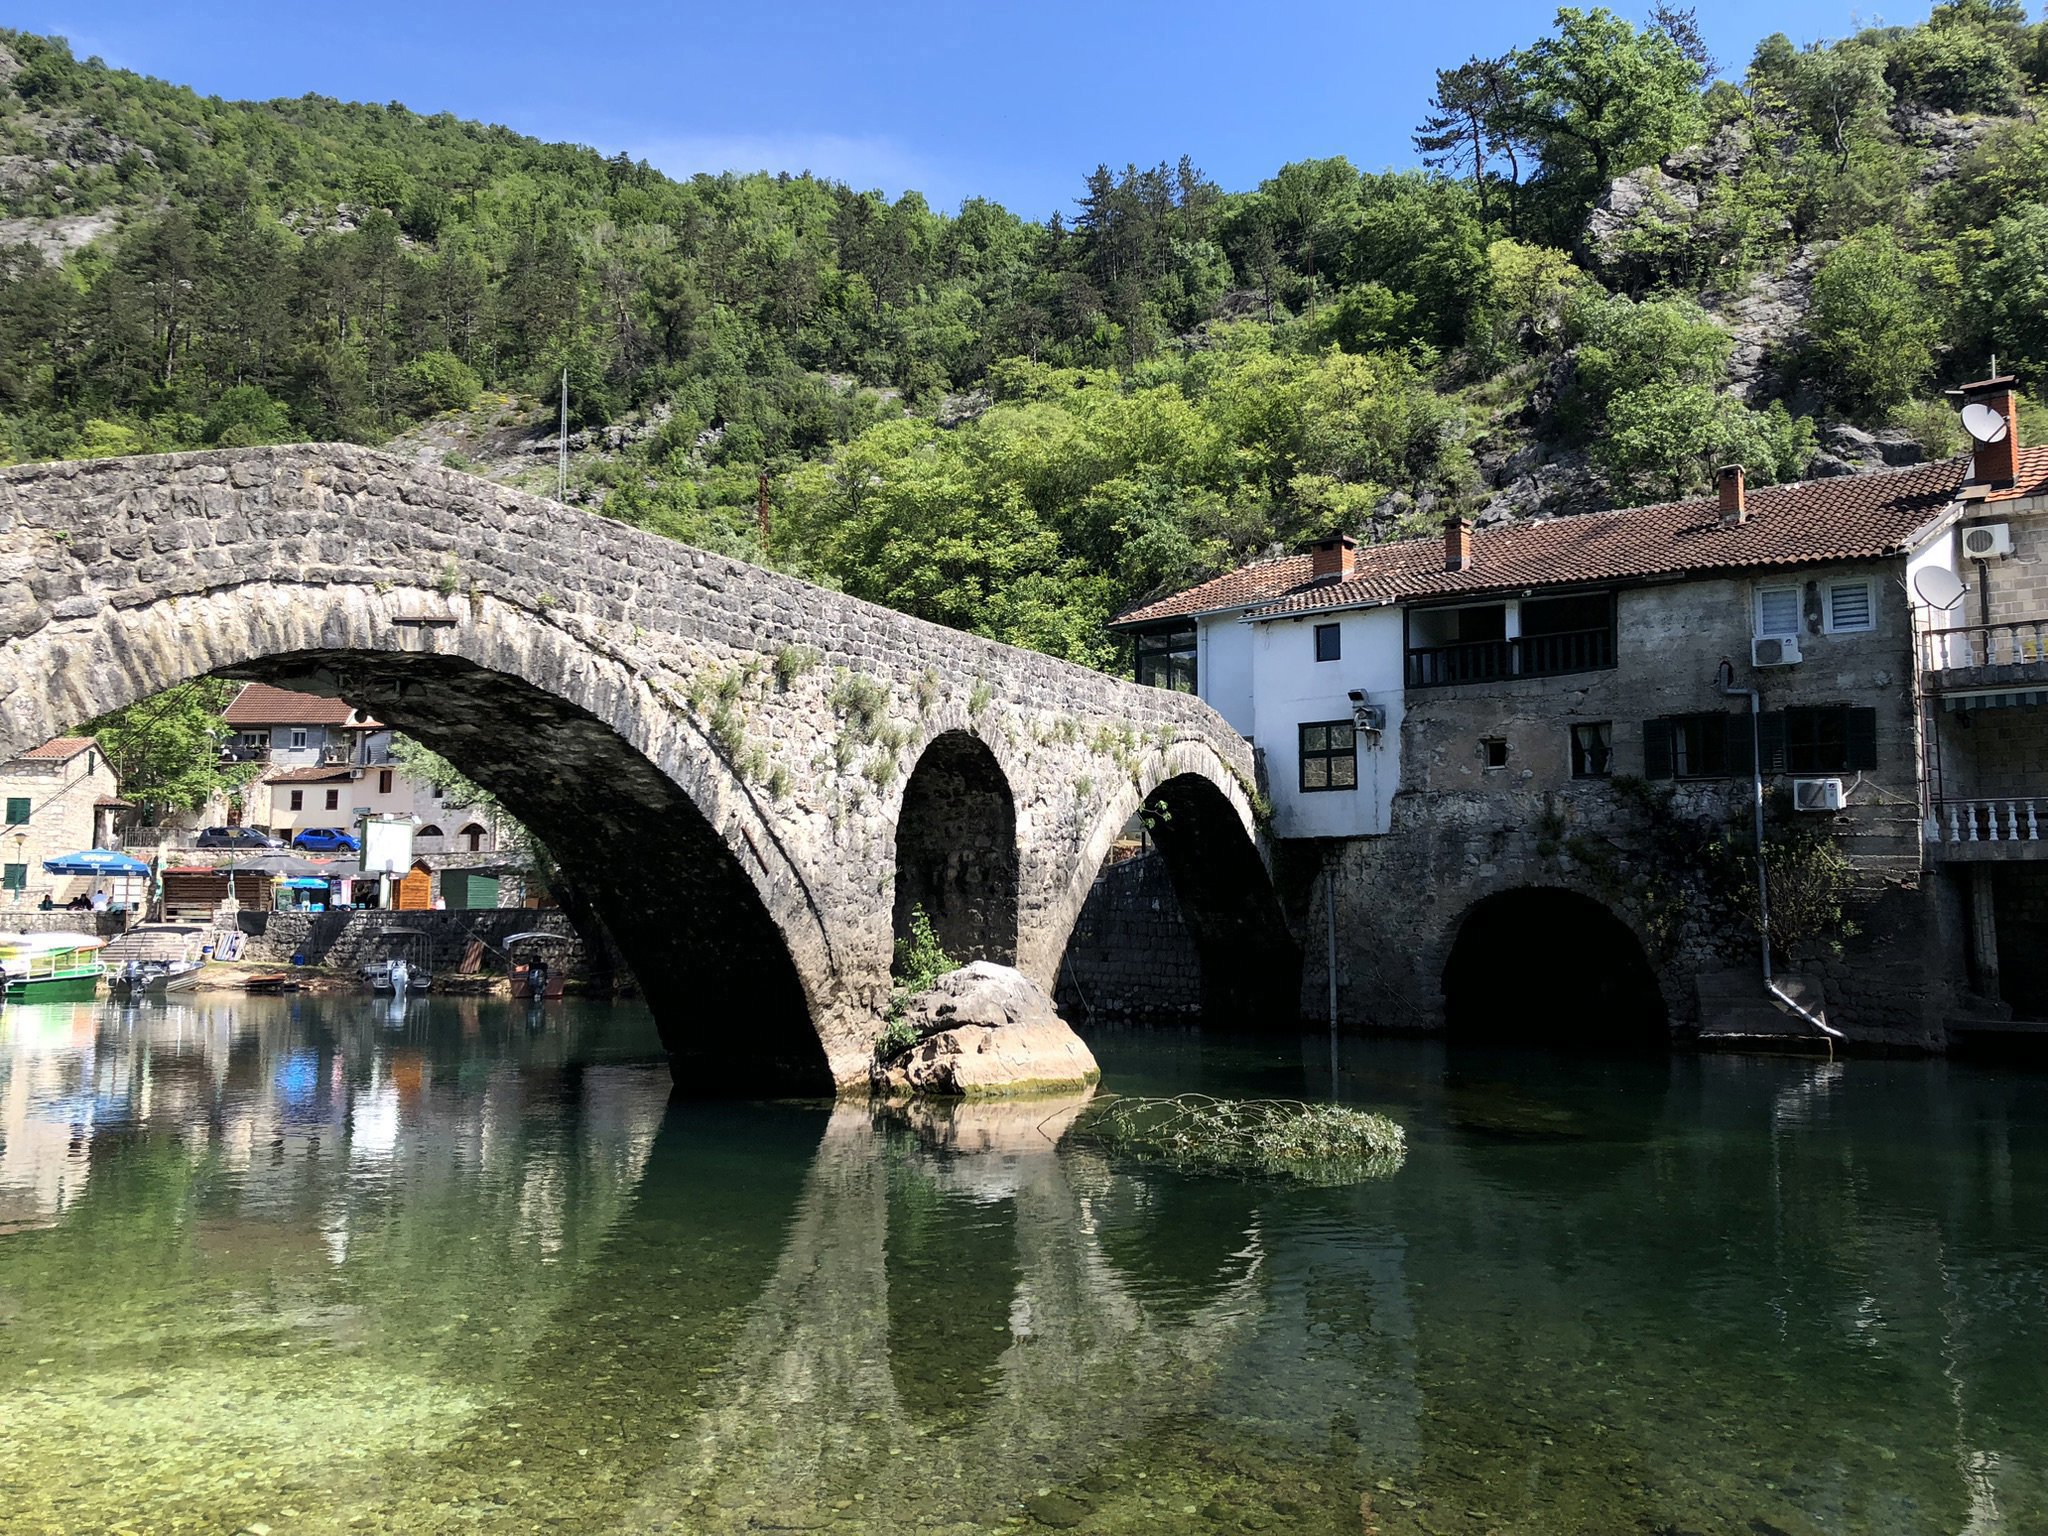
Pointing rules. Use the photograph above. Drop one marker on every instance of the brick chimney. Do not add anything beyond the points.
(1333, 559)
(1994, 463)
(1457, 543)
(1734, 498)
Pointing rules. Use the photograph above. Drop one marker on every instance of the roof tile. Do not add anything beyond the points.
(1850, 517)
(58, 749)
(259, 704)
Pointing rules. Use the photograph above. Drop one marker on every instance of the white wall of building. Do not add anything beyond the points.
(1223, 669)
(1292, 688)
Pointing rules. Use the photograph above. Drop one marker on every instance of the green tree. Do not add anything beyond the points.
(2007, 288)
(439, 381)
(1877, 319)
(166, 750)
(1598, 98)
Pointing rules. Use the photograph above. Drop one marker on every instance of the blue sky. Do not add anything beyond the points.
(1011, 101)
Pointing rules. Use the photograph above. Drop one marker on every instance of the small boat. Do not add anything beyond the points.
(407, 969)
(534, 978)
(51, 967)
(272, 981)
(153, 978)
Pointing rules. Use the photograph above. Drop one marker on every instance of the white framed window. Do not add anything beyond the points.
(1777, 611)
(1851, 607)
(298, 738)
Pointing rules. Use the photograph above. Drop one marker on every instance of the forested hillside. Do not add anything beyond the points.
(1617, 264)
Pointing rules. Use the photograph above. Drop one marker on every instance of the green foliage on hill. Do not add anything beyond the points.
(1019, 427)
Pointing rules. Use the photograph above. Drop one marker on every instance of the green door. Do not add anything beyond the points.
(465, 890)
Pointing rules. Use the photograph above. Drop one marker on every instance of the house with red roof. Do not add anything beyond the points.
(1442, 721)
(56, 798)
(327, 764)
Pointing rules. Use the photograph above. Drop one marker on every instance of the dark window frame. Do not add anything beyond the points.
(384, 781)
(1158, 655)
(334, 800)
(1595, 759)
(1334, 634)
(13, 877)
(1328, 755)
(1704, 744)
(1489, 758)
(298, 800)
(19, 809)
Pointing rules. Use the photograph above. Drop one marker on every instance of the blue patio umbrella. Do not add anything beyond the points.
(304, 883)
(97, 861)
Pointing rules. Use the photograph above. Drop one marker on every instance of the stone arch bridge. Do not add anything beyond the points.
(751, 779)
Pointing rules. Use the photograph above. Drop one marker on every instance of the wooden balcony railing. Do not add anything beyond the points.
(1486, 661)
(1972, 646)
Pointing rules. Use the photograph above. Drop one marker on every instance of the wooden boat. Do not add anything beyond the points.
(535, 978)
(51, 967)
(272, 981)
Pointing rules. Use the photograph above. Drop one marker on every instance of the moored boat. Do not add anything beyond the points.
(51, 967)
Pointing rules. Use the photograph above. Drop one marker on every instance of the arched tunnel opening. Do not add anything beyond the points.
(631, 848)
(1186, 929)
(956, 851)
(1551, 968)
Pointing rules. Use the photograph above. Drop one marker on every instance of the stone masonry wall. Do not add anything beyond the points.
(346, 940)
(724, 748)
(1131, 957)
(1463, 831)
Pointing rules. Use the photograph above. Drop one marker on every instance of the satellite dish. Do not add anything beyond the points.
(1939, 587)
(1984, 424)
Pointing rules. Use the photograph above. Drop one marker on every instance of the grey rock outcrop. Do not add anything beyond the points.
(987, 1030)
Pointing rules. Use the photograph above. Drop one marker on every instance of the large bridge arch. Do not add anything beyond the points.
(1201, 819)
(1549, 965)
(956, 850)
(736, 720)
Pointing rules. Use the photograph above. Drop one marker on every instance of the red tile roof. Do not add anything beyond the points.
(58, 749)
(314, 775)
(259, 704)
(1850, 517)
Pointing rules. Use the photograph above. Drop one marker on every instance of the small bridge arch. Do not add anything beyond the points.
(699, 740)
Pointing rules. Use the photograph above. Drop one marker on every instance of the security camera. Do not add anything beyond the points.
(1358, 695)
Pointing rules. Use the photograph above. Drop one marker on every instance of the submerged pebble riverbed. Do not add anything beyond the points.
(327, 1265)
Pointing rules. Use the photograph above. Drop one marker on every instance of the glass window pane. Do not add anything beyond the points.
(1341, 737)
(1315, 773)
(1777, 611)
(1315, 738)
(1344, 772)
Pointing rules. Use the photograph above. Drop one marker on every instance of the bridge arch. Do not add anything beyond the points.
(956, 850)
(696, 712)
(1550, 966)
(1199, 817)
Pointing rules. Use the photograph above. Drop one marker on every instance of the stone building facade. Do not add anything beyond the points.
(1531, 776)
(57, 797)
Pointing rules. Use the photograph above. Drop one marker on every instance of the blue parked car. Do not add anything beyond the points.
(325, 840)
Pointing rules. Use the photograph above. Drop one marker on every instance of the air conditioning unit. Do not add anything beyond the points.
(1817, 794)
(1990, 541)
(1774, 651)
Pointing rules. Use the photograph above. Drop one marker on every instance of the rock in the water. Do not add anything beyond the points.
(987, 1030)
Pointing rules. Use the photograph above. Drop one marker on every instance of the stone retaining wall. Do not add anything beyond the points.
(346, 940)
(1132, 958)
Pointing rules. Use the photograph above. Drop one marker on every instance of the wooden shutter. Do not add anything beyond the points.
(1862, 738)
(1741, 744)
(1656, 749)
(1771, 740)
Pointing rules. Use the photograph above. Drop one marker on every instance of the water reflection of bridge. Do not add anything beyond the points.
(455, 1274)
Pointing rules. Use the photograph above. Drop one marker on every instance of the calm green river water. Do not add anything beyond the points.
(315, 1266)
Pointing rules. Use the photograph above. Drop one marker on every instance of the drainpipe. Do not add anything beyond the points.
(1726, 678)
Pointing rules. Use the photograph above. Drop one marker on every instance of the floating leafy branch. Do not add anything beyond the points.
(1322, 1144)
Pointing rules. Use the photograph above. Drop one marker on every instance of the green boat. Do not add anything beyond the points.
(51, 967)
